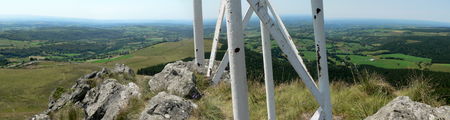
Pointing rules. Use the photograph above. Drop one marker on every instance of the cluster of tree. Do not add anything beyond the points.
(61, 34)
(83, 43)
(434, 47)
(3, 61)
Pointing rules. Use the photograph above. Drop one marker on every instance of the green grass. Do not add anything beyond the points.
(160, 53)
(294, 101)
(112, 59)
(24, 92)
(383, 63)
(407, 58)
(71, 54)
(309, 55)
(440, 67)
(374, 52)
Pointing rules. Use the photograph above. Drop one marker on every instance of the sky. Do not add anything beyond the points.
(432, 10)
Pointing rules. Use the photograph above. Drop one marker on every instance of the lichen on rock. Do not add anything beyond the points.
(403, 108)
(177, 79)
(167, 107)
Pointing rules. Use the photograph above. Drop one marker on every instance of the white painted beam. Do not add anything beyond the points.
(322, 62)
(285, 44)
(198, 33)
(236, 51)
(247, 17)
(317, 115)
(268, 73)
(221, 69)
(217, 31)
(223, 64)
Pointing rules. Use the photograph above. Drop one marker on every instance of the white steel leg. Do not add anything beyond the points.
(223, 64)
(198, 33)
(221, 69)
(322, 63)
(268, 73)
(287, 47)
(239, 88)
(216, 38)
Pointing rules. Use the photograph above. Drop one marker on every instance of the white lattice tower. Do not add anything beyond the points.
(271, 26)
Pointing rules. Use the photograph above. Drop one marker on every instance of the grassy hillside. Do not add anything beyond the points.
(157, 54)
(25, 91)
(294, 101)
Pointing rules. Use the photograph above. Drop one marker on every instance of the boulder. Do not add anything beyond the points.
(123, 71)
(100, 94)
(105, 101)
(176, 78)
(167, 107)
(403, 108)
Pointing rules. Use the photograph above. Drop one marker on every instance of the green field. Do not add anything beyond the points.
(4, 43)
(394, 61)
(157, 54)
(112, 59)
(309, 55)
(407, 58)
(383, 63)
(440, 67)
(25, 91)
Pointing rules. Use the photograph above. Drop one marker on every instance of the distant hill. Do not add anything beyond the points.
(288, 19)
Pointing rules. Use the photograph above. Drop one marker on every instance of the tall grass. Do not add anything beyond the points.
(351, 101)
(421, 89)
(68, 112)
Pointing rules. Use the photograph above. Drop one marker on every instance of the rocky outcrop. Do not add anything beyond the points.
(101, 94)
(403, 108)
(79, 90)
(176, 79)
(105, 102)
(167, 107)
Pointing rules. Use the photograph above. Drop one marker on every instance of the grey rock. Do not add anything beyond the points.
(40, 117)
(105, 101)
(124, 71)
(403, 108)
(167, 107)
(177, 79)
(78, 93)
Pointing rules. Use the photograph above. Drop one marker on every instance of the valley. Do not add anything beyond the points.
(59, 55)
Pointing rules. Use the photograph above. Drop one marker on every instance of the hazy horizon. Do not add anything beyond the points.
(182, 9)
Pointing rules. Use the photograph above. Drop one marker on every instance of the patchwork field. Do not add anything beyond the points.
(5, 43)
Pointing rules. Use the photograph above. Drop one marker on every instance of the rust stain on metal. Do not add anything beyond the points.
(318, 59)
